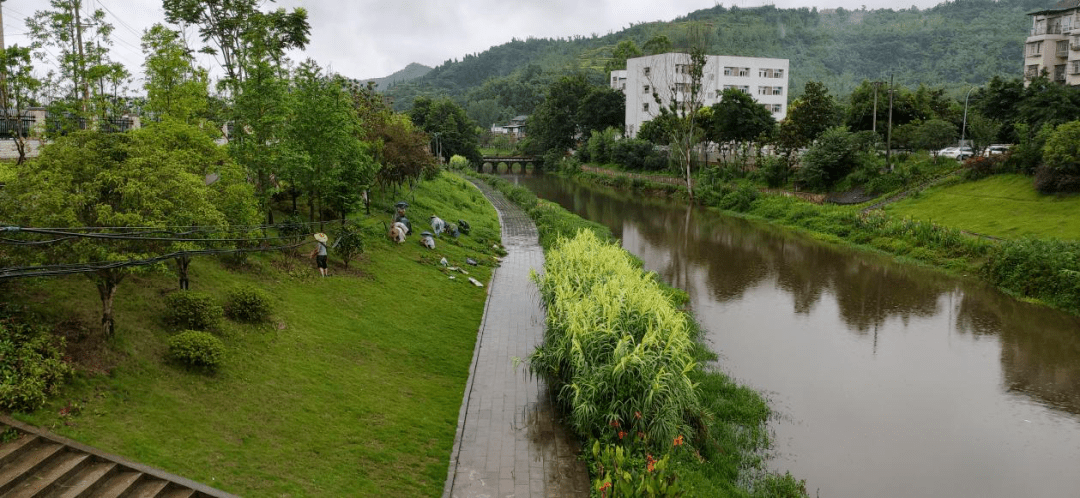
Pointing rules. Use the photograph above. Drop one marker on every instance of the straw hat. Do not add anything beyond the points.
(321, 237)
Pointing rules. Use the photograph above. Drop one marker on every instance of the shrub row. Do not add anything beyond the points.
(615, 347)
(1045, 269)
(198, 311)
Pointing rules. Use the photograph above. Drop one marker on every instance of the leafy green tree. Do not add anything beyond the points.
(17, 87)
(92, 179)
(1060, 171)
(403, 151)
(240, 33)
(80, 45)
(1049, 103)
(808, 117)
(175, 88)
(601, 108)
(683, 100)
(659, 44)
(625, 49)
(739, 118)
(258, 141)
(1000, 101)
(451, 128)
(330, 165)
(554, 125)
(933, 134)
(835, 154)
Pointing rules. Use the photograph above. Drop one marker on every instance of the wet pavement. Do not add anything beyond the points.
(509, 442)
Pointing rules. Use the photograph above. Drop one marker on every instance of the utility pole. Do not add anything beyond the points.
(888, 143)
(877, 84)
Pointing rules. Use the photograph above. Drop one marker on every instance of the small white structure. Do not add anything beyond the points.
(668, 76)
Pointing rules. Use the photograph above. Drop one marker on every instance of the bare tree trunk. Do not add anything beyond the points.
(182, 263)
(107, 281)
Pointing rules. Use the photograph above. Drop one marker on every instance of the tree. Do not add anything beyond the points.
(739, 118)
(1060, 171)
(239, 32)
(331, 164)
(554, 126)
(601, 108)
(625, 49)
(835, 154)
(932, 134)
(659, 44)
(257, 141)
(681, 97)
(450, 127)
(17, 86)
(93, 179)
(81, 48)
(808, 117)
(175, 88)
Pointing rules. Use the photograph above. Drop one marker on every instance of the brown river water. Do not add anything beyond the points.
(885, 379)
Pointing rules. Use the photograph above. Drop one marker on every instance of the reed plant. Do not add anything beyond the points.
(615, 346)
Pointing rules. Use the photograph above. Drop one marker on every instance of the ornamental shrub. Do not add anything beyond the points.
(197, 349)
(348, 243)
(31, 366)
(192, 310)
(248, 304)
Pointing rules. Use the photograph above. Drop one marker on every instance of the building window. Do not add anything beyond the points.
(645, 89)
(645, 107)
(745, 89)
(744, 71)
(646, 70)
(779, 73)
(763, 73)
(730, 71)
(764, 90)
(777, 108)
(1059, 73)
(1034, 48)
(1074, 67)
(1032, 71)
(778, 90)
(682, 69)
(1063, 49)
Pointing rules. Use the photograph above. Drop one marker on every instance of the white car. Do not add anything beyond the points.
(958, 153)
(995, 149)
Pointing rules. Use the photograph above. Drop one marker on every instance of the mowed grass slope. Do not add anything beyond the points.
(1004, 206)
(352, 390)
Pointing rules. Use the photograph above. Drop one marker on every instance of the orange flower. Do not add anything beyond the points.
(614, 423)
(604, 488)
(621, 434)
(649, 463)
(637, 415)
(678, 441)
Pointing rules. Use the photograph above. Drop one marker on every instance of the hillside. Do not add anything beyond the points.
(409, 73)
(952, 45)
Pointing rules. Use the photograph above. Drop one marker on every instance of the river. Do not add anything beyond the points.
(885, 379)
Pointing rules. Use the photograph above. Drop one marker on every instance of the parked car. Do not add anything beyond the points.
(996, 149)
(958, 153)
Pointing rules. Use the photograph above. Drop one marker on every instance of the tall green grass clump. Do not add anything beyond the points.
(1045, 269)
(615, 347)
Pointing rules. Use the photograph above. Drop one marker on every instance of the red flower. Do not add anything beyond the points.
(614, 423)
(678, 441)
(621, 434)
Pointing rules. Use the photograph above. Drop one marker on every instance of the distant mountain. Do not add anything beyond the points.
(411, 72)
(954, 45)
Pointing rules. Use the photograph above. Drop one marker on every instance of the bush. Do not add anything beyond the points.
(1046, 269)
(192, 310)
(197, 350)
(601, 145)
(248, 304)
(32, 368)
(773, 170)
(638, 155)
(348, 242)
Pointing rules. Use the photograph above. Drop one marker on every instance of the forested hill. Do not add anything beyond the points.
(952, 45)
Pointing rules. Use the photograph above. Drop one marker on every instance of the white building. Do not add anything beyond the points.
(766, 80)
(1054, 44)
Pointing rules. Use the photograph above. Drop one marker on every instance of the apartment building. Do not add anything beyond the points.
(668, 75)
(1054, 43)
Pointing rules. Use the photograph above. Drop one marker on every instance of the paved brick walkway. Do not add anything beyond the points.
(509, 443)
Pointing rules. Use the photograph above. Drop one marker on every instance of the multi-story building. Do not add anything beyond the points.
(668, 76)
(1054, 43)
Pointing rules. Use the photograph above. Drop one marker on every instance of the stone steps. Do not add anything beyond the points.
(37, 464)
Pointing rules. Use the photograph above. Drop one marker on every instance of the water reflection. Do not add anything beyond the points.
(890, 377)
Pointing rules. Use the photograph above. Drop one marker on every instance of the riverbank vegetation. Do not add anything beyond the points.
(627, 366)
(352, 387)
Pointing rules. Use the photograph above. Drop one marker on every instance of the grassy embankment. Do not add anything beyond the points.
(1003, 206)
(625, 349)
(1043, 265)
(353, 389)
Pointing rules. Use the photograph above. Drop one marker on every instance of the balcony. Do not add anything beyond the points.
(1062, 54)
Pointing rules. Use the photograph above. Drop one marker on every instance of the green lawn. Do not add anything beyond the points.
(1005, 206)
(352, 390)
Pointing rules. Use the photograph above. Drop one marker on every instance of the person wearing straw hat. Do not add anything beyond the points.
(320, 255)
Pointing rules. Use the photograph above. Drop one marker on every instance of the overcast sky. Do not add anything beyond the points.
(374, 38)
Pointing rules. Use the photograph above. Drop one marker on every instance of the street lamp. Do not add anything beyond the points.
(963, 128)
